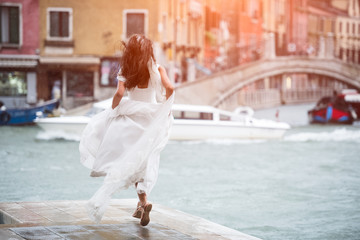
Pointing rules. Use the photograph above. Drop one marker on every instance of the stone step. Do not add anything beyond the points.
(69, 220)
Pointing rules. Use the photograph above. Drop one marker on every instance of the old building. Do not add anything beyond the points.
(296, 27)
(274, 22)
(19, 43)
(180, 37)
(78, 40)
(214, 14)
(321, 24)
(250, 30)
(347, 30)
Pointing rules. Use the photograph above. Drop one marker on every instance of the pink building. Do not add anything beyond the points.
(19, 43)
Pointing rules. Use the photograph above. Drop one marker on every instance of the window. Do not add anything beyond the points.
(164, 27)
(109, 70)
(353, 28)
(212, 19)
(79, 84)
(340, 27)
(253, 9)
(225, 117)
(177, 114)
(321, 25)
(59, 23)
(135, 22)
(182, 10)
(207, 18)
(9, 25)
(192, 115)
(13, 83)
(170, 6)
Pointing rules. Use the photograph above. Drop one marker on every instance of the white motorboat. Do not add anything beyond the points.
(194, 122)
(191, 122)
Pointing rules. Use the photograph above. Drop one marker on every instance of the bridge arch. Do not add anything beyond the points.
(215, 89)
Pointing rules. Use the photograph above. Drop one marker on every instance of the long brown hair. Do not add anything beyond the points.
(134, 62)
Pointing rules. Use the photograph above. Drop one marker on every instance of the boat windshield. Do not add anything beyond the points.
(323, 102)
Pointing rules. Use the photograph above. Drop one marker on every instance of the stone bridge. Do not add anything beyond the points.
(219, 89)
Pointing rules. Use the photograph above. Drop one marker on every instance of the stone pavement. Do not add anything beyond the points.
(69, 220)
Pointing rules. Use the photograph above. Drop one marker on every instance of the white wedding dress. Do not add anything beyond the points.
(124, 144)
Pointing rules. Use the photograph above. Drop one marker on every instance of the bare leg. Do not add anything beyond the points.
(144, 210)
(142, 197)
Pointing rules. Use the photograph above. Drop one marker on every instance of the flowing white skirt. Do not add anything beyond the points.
(124, 145)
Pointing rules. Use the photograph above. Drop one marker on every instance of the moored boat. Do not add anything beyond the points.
(26, 114)
(343, 108)
(191, 122)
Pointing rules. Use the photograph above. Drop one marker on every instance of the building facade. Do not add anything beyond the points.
(19, 49)
(297, 27)
(250, 41)
(274, 13)
(321, 25)
(347, 31)
(180, 40)
(81, 42)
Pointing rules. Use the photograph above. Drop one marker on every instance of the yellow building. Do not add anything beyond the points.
(80, 41)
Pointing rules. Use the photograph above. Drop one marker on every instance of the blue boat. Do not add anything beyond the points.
(26, 115)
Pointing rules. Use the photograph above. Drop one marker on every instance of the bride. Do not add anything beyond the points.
(123, 143)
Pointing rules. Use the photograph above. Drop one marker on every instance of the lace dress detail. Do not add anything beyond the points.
(124, 144)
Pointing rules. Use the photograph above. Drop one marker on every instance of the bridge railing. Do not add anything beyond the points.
(305, 95)
(260, 98)
(264, 98)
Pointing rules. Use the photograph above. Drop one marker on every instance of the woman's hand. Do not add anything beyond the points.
(118, 94)
(166, 82)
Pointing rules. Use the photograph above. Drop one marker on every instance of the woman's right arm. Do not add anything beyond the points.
(166, 82)
(118, 94)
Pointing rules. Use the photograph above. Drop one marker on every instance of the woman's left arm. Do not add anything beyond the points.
(118, 94)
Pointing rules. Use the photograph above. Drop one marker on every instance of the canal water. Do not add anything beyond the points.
(304, 186)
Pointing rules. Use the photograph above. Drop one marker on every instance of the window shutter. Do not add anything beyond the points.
(135, 24)
(54, 24)
(1, 25)
(64, 24)
(14, 25)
